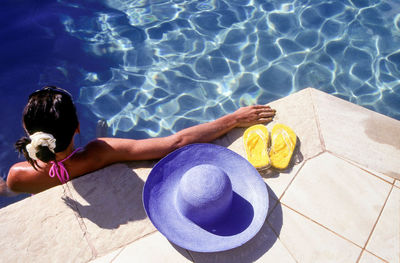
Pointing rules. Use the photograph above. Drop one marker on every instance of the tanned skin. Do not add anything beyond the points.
(102, 152)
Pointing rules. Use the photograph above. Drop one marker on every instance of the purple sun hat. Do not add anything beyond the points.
(206, 198)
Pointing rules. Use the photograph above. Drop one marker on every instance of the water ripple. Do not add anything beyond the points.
(186, 62)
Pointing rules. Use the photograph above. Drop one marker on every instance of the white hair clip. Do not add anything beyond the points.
(40, 139)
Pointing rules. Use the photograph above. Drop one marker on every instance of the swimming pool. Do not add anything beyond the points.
(150, 68)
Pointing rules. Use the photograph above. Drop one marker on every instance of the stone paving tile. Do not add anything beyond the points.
(339, 196)
(108, 258)
(310, 242)
(297, 111)
(153, 248)
(367, 257)
(385, 240)
(358, 134)
(397, 183)
(384, 177)
(109, 202)
(41, 228)
(278, 182)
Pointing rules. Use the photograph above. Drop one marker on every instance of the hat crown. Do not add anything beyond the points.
(204, 194)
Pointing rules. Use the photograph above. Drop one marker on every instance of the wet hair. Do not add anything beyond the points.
(50, 110)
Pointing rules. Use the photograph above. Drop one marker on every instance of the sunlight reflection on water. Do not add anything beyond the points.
(197, 60)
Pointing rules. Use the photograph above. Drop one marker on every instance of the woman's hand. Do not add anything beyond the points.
(254, 114)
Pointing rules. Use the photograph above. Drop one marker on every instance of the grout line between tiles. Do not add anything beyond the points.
(139, 238)
(270, 212)
(298, 171)
(376, 222)
(353, 163)
(367, 251)
(317, 121)
(81, 223)
(125, 245)
(283, 244)
(117, 255)
(325, 227)
(291, 181)
(190, 255)
(332, 231)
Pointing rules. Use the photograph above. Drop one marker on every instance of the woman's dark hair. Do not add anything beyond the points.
(50, 110)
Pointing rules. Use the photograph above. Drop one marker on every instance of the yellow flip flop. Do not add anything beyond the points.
(283, 143)
(256, 141)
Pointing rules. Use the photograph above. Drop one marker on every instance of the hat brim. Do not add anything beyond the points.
(249, 202)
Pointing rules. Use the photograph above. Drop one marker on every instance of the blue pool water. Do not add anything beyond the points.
(150, 68)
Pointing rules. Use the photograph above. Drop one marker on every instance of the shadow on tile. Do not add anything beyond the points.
(296, 159)
(110, 199)
(230, 137)
(254, 249)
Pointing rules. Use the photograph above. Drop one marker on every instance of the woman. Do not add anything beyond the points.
(50, 121)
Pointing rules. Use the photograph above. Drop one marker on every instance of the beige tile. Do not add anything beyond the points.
(109, 202)
(153, 248)
(367, 257)
(361, 135)
(385, 240)
(264, 247)
(309, 242)
(297, 112)
(233, 140)
(397, 183)
(142, 168)
(378, 174)
(108, 258)
(338, 195)
(42, 228)
(278, 182)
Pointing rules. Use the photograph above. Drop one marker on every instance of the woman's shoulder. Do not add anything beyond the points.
(14, 177)
(18, 171)
(99, 153)
(97, 148)
(101, 144)
(22, 177)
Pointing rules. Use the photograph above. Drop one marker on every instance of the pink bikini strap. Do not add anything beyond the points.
(58, 168)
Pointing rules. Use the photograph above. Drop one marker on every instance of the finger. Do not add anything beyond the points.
(265, 110)
(264, 120)
(261, 107)
(266, 114)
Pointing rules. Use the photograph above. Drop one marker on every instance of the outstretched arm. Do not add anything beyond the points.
(128, 150)
(99, 153)
(210, 131)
